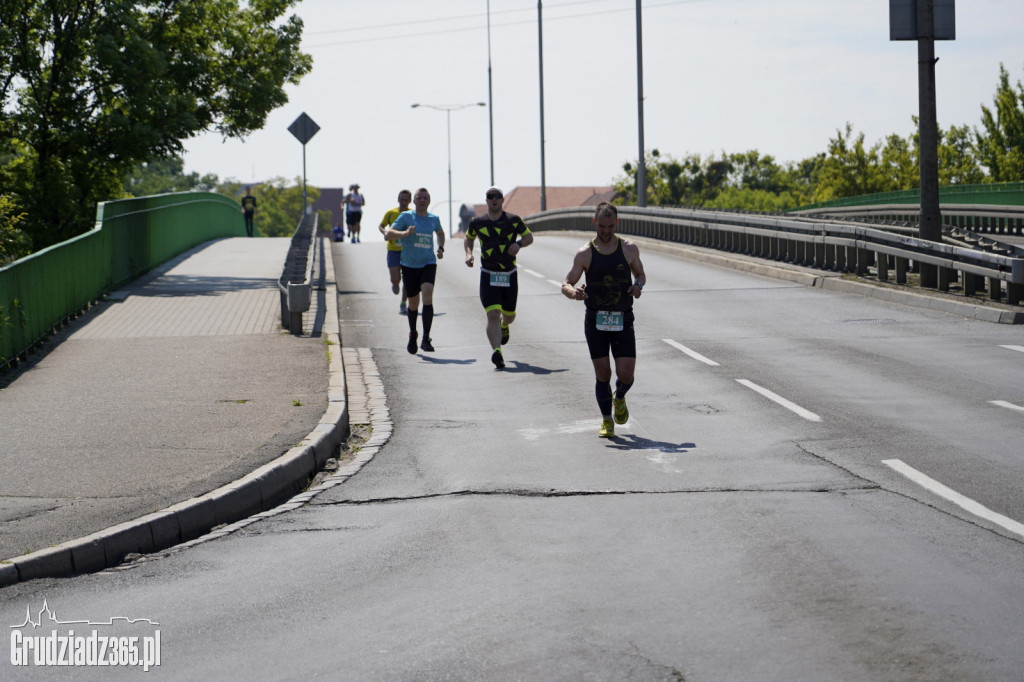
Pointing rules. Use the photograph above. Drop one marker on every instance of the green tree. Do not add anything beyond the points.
(93, 88)
(14, 243)
(737, 199)
(803, 176)
(165, 175)
(958, 161)
(849, 169)
(689, 181)
(751, 171)
(1000, 148)
(899, 163)
(278, 204)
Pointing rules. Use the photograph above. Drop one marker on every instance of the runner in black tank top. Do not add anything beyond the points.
(615, 276)
(608, 279)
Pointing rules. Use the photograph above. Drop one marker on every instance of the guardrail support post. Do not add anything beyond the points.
(863, 261)
(830, 257)
(970, 284)
(944, 277)
(1014, 292)
(995, 289)
(883, 267)
(901, 270)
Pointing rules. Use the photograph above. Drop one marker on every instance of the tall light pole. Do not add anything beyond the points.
(490, 91)
(641, 170)
(448, 109)
(540, 61)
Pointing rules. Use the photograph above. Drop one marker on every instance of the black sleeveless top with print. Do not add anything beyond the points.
(608, 277)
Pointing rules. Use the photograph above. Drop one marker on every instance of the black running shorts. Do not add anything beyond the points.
(415, 278)
(621, 344)
(497, 297)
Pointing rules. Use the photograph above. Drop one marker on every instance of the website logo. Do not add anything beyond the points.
(71, 643)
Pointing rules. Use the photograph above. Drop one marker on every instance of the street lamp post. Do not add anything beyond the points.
(490, 92)
(448, 109)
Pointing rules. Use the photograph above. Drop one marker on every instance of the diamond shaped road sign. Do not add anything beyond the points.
(303, 128)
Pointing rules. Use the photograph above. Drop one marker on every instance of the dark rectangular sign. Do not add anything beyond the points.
(903, 19)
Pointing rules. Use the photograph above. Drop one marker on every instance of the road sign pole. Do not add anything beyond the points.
(303, 128)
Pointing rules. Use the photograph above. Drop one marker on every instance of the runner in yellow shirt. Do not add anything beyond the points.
(395, 246)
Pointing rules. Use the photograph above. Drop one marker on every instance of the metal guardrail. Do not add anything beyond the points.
(969, 221)
(296, 283)
(842, 246)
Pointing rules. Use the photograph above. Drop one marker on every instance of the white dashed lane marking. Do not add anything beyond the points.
(692, 353)
(1007, 405)
(775, 397)
(956, 498)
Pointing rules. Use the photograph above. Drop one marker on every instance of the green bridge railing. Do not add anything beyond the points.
(1000, 194)
(132, 236)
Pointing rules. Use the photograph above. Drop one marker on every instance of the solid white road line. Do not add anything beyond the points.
(692, 353)
(1009, 406)
(533, 272)
(1019, 348)
(557, 284)
(955, 497)
(806, 414)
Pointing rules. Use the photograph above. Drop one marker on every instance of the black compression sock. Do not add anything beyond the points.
(621, 389)
(428, 320)
(603, 392)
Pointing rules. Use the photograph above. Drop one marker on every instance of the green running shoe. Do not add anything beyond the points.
(607, 428)
(504, 335)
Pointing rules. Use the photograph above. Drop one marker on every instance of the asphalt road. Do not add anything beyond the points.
(749, 522)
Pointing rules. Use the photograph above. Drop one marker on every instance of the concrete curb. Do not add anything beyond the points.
(259, 491)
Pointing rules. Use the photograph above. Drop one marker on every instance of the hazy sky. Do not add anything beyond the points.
(779, 76)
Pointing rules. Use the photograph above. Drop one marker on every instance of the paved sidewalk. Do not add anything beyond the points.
(161, 403)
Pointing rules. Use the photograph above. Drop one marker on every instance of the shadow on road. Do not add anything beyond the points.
(634, 442)
(447, 361)
(532, 369)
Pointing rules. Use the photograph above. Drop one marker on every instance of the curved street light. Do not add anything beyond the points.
(448, 109)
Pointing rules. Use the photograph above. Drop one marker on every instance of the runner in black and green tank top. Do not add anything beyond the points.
(615, 276)
(608, 279)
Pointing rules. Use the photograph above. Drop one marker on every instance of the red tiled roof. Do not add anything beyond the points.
(526, 200)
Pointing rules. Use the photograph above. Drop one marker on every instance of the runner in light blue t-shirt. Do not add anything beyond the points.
(418, 247)
(416, 230)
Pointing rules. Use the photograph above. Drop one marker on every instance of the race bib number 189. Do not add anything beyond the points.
(500, 279)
